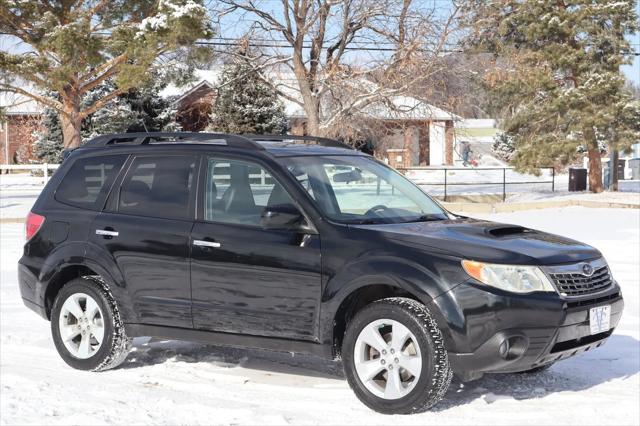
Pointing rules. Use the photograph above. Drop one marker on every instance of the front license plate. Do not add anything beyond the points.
(600, 319)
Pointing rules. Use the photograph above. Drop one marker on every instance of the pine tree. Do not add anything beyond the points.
(557, 77)
(48, 144)
(245, 104)
(139, 110)
(503, 147)
(72, 47)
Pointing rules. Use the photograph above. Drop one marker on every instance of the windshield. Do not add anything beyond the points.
(354, 189)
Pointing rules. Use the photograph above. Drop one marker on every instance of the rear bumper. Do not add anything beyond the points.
(28, 283)
(540, 330)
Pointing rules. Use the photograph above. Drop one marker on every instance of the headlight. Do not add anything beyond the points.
(515, 278)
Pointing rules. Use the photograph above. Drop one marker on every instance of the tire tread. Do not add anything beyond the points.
(121, 345)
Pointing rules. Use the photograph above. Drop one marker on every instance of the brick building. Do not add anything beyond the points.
(22, 118)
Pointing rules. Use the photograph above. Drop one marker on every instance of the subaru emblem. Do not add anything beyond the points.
(587, 269)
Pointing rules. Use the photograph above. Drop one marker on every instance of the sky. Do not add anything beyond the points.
(633, 71)
(236, 24)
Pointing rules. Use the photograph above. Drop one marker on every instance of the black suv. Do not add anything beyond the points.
(300, 244)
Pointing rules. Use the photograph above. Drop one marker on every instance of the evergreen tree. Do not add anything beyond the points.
(245, 104)
(557, 76)
(72, 47)
(139, 110)
(48, 146)
(503, 147)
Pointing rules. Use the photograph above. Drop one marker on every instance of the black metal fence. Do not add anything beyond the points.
(417, 175)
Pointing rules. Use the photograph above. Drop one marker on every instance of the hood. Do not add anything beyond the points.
(489, 241)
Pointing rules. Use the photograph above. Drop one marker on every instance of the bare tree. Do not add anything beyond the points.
(335, 58)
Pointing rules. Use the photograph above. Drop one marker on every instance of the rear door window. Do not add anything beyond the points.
(159, 186)
(87, 183)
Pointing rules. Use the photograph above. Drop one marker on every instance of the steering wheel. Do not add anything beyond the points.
(375, 209)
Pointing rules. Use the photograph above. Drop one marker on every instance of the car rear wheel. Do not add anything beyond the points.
(394, 357)
(86, 326)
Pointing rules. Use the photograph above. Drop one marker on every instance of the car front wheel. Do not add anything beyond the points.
(394, 357)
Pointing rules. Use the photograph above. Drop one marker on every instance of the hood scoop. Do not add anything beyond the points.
(508, 231)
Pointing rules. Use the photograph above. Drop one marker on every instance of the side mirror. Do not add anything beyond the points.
(284, 217)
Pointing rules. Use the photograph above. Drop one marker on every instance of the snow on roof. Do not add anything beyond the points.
(16, 104)
(407, 108)
(209, 77)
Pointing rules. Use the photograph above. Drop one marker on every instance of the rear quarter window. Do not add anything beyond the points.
(86, 184)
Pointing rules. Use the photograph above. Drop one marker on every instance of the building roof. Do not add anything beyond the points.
(16, 104)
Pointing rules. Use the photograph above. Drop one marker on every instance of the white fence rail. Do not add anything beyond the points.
(43, 168)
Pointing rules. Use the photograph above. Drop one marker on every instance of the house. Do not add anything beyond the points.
(411, 132)
(21, 120)
(408, 131)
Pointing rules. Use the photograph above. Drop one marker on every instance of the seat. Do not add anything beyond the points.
(238, 198)
(134, 198)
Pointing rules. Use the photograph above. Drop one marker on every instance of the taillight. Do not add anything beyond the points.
(33, 224)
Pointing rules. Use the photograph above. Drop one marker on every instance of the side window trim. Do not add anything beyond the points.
(202, 188)
(113, 200)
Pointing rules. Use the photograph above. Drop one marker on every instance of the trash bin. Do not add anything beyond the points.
(577, 179)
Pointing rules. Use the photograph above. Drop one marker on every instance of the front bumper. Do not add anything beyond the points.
(540, 328)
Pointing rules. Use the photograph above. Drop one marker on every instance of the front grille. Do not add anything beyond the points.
(577, 284)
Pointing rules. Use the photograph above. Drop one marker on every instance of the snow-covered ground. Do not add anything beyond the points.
(165, 382)
(603, 197)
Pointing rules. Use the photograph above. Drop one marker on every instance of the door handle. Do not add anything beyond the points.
(202, 243)
(107, 233)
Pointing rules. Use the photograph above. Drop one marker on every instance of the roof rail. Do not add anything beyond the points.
(283, 138)
(159, 137)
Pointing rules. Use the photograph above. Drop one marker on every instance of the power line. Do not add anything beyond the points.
(277, 44)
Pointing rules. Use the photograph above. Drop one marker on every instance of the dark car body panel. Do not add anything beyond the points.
(473, 239)
(270, 287)
(282, 289)
(152, 254)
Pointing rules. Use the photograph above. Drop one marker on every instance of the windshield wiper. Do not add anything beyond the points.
(369, 221)
(427, 218)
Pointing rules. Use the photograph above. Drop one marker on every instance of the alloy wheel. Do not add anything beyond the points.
(387, 359)
(81, 325)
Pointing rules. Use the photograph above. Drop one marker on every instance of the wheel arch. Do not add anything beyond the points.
(66, 267)
(357, 299)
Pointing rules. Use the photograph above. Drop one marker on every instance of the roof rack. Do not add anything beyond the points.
(160, 137)
(236, 141)
(283, 138)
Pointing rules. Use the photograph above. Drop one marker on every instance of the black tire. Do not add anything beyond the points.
(538, 369)
(115, 345)
(436, 374)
